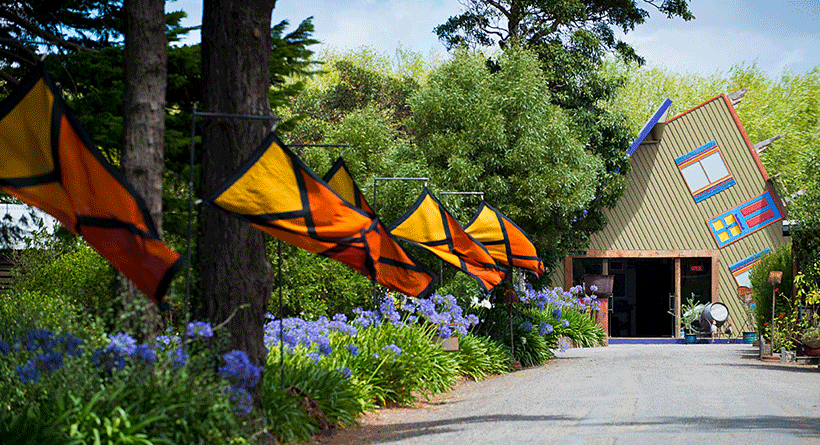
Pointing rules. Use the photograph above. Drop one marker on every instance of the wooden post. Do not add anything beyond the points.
(678, 296)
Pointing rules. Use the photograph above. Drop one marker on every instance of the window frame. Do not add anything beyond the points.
(696, 158)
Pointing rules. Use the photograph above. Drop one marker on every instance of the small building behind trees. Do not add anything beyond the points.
(699, 211)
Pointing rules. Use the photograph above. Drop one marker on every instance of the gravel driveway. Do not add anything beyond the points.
(620, 394)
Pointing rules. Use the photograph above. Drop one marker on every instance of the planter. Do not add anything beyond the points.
(814, 352)
(749, 337)
(690, 339)
(449, 344)
(765, 349)
(788, 356)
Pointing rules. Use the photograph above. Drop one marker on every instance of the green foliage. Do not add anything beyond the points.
(581, 330)
(338, 397)
(510, 329)
(499, 133)
(779, 259)
(481, 356)
(315, 286)
(68, 271)
(806, 207)
(421, 367)
(78, 400)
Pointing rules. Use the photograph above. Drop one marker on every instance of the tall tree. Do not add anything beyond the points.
(29, 29)
(499, 134)
(535, 22)
(144, 108)
(235, 278)
(572, 39)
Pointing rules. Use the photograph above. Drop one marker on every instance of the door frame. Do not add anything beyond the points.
(677, 255)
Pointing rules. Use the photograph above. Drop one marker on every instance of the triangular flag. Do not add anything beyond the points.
(505, 241)
(50, 162)
(277, 193)
(394, 268)
(428, 225)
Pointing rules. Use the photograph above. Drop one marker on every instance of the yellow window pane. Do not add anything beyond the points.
(723, 236)
(717, 224)
(730, 219)
(735, 231)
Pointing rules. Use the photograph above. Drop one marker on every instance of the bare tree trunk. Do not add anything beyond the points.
(234, 273)
(144, 116)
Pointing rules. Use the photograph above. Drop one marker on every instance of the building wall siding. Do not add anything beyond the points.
(657, 211)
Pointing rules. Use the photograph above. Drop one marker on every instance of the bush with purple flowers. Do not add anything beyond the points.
(160, 387)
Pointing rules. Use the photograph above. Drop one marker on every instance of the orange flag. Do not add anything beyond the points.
(428, 225)
(394, 268)
(280, 195)
(50, 162)
(505, 241)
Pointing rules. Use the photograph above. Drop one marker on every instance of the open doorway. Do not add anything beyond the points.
(643, 294)
(655, 296)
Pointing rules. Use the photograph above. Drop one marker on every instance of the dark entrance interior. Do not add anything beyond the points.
(655, 293)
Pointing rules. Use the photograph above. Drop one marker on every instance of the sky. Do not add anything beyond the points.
(777, 35)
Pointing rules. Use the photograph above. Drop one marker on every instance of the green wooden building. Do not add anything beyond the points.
(699, 211)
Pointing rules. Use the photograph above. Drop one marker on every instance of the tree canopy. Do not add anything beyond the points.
(549, 22)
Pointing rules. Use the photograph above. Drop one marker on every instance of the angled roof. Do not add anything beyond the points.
(655, 121)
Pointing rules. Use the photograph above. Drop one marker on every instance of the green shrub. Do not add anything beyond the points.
(316, 286)
(73, 390)
(70, 269)
(581, 330)
(479, 356)
(339, 398)
(779, 259)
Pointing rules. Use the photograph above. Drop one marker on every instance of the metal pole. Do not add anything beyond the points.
(281, 318)
(190, 213)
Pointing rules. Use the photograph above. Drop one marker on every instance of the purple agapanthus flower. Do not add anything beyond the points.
(50, 361)
(122, 343)
(200, 329)
(4, 347)
(108, 358)
(179, 357)
(396, 350)
(239, 369)
(146, 354)
(28, 373)
(353, 349)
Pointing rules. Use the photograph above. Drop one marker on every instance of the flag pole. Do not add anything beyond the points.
(194, 115)
(281, 318)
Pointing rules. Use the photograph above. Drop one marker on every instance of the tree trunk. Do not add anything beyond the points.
(234, 274)
(144, 117)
